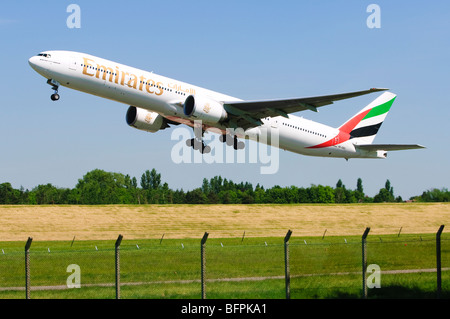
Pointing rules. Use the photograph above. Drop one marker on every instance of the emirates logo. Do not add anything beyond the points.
(206, 108)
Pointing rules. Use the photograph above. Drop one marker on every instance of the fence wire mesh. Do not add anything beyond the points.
(321, 269)
(250, 268)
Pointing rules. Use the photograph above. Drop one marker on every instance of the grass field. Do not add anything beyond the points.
(221, 221)
(251, 267)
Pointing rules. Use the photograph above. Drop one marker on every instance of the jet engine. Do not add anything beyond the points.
(204, 108)
(145, 120)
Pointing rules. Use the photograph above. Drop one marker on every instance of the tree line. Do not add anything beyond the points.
(99, 187)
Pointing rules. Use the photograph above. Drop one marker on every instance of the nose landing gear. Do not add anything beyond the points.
(55, 86)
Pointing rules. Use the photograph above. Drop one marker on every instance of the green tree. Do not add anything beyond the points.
(215, 184)
(150, 179)
(359, 193)
(9, 195)
(47, 194)
(385, 194)
(435, 195)
(145, 180)
(151, 185)
(213, 198)
(259, 195)
(275, 195)
(340, 192)
(321, 194)
(303, 195)
(196, 196)
(359, 186)
(155, 179)
(179, 197)
(228, 197)
(100, 187)
(248, 197)
(389, 188)
(205, 187)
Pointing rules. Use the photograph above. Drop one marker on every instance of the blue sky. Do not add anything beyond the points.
(247, 49)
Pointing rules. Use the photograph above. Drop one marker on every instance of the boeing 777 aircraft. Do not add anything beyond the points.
(157, 102)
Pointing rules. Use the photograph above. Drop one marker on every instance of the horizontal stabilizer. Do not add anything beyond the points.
(388, 147)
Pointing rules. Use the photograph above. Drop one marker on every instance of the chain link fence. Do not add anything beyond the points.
(405, 266)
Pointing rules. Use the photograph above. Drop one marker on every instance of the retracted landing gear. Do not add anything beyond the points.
(55, 87)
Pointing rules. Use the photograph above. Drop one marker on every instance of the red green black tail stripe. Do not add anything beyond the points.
(348, 131)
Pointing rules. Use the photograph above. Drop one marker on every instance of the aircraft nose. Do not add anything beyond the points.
(33, 61)
(38, 66)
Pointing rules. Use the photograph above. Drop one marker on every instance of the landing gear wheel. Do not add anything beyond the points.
(190, 142)
(55, 87)
(205, 149)
(197, 145)
(238, 145)
(223, 138)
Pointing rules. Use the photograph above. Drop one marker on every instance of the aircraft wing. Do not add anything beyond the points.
(247, 114)
(389, 147)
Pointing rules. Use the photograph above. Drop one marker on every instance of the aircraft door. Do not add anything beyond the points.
(272, 132)
(274, 123)
(72, 64)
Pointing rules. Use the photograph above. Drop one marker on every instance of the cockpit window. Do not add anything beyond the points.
(45, 55)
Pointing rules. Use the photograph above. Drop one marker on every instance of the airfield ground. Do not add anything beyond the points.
(59, 222)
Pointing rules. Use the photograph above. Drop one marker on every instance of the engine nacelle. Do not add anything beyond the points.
(204, 108)
(145, 120)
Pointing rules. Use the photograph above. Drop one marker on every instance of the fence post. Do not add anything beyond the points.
(287, 274)
(364, 262)
(117, 264)
(203, 260)
(27, 268)
(438, 261)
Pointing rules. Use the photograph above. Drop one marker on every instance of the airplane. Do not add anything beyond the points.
(157, 102)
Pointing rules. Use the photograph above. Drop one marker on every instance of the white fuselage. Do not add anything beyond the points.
(156, 93)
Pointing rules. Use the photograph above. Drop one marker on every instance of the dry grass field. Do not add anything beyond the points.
(17, 223)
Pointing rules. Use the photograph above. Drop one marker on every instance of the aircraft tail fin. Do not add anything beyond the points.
(364, 126)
